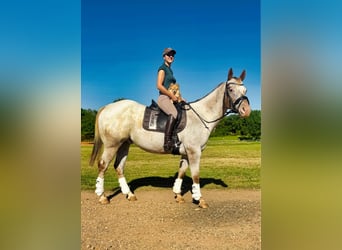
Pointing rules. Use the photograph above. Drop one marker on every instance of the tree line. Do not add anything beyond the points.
(245, 128)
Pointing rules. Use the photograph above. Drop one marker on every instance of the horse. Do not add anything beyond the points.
(119, 124)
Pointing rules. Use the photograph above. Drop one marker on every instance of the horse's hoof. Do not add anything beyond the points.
(103, 200)
(201, 203)
(131, 197)
(179, 198)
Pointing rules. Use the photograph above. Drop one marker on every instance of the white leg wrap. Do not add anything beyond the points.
(177, 186)
(196, 192)
(124, 187)
(99, 186)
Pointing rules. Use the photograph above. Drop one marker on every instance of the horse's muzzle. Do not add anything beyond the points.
(244, 108)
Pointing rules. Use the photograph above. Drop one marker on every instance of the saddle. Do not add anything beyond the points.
(155, 119)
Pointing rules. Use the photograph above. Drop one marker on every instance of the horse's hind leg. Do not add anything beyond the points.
(103, 163)
(183, 165)
(119, 166)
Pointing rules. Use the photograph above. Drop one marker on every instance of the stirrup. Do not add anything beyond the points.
(175, 150)
(168, 146)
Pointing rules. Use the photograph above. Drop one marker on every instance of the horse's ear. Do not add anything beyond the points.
(243, 75)
(230, 74)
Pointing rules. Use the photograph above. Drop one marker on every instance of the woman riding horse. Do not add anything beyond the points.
(120, 124)
(164, 79)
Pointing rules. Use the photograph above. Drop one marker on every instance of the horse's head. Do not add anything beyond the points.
(236, 92)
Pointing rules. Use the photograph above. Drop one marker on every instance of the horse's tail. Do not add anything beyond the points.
(97, 140)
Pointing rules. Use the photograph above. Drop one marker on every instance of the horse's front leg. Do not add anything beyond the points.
(177, 186)
(194, 161)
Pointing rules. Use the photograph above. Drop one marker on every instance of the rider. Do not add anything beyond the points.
(164, 79)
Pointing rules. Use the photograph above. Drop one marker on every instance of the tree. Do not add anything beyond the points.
(88, 117)
(247, 128)
(254, 124)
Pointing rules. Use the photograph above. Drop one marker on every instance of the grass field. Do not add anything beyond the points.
(226, 162)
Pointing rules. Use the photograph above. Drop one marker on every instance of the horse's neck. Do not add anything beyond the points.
(211, 107)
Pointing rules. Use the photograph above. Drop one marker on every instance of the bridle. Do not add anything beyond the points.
(234, 106)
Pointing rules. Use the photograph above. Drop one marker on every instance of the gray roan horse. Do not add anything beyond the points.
(119, 124)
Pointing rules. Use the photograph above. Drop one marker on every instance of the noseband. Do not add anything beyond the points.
(236, 105)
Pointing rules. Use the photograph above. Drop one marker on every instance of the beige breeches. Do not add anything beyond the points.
(165, 104)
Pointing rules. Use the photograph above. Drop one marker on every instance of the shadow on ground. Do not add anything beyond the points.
(167, 182)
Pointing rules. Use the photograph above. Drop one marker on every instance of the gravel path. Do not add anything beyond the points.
(156, 221)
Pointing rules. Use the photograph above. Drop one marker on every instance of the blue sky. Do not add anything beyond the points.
(122, 43)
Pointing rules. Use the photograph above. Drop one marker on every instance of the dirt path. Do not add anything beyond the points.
(156, 221)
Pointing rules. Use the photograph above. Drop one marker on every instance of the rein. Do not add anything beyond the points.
(233, 110)
(204, 121)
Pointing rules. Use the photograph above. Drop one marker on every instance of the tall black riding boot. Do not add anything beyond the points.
(168, 133)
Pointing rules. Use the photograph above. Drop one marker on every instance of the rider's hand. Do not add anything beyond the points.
(174, 99)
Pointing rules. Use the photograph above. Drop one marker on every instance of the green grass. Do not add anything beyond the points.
(225, 161)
